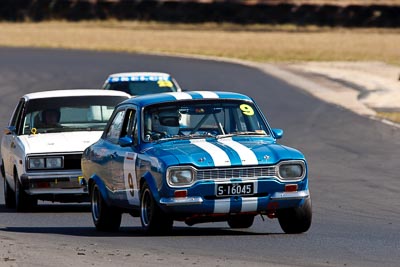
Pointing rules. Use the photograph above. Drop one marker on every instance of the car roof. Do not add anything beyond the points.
(74, 92)
(115, 77)
(150, 99)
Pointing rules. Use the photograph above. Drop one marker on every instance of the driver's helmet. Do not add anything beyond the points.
(166, 121)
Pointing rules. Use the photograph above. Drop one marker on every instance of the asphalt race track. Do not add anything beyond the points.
(354, 177)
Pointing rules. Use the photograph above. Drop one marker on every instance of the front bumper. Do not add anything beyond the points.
(54, 183)
(236, 204)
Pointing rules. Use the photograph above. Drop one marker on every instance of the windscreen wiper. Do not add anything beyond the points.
(240, 133)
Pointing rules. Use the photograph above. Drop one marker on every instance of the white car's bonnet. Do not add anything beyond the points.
(59, 142)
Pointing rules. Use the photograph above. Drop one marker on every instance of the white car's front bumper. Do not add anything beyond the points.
(54, 182)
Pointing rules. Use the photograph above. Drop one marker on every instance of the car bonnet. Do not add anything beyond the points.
(59, 142)
(223, 152)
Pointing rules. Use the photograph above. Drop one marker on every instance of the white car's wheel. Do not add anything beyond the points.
(105, 218)
(23, 202)
(9, 195)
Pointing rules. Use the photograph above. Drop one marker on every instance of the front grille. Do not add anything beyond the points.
(72, 161)
(243, 173)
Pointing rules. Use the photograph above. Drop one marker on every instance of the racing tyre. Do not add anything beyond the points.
(241, 221)
(3, 173)
(296, 220)
(9, 196)
(105, 218)
(153, 219)
(23, 202)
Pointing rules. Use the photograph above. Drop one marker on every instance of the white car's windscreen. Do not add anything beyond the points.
(67, 114)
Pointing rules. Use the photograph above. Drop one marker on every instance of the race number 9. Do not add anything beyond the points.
(165, 83)
(246, 109)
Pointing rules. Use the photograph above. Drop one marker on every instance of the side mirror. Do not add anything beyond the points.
(278, 133)
(10, 130)
(125, 141)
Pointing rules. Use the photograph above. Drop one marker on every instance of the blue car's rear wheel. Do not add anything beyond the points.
(296, 220)
(153, 219)
(105, 218)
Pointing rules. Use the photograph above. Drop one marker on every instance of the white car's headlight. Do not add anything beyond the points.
(36, 163)
(180, 176)
(292, 170)
(54, 163)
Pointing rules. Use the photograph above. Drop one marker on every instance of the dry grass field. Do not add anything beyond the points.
(285, 43)
(262, 43)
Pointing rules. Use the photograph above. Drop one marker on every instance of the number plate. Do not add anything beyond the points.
(235, 189)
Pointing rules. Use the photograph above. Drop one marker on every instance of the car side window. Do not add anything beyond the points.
(132, 131)
(126, 129)
(16, 118)
(114, 131)
(130, 125)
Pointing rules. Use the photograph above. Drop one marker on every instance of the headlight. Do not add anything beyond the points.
(36, 163)
(54, 163)
(292, 170)
(180, 176)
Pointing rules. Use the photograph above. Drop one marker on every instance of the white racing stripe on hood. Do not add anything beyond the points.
(218, 155)
(180, 95)
(246, 155)
(207, 94)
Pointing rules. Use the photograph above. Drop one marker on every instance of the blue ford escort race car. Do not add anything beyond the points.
(194, 157)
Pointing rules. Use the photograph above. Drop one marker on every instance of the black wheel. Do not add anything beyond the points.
(3, 173)
(241, 221)
(296, 220)
(23, 202)
(9, 195)
(105, 218)
(153, 219)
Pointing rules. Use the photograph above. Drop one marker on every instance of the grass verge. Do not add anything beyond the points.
(264, 43)
(391, 116)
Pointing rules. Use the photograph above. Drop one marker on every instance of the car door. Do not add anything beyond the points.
(109, 151)
(10, 143)
(124, 169)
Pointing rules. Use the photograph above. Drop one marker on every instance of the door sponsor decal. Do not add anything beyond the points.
(131, 186)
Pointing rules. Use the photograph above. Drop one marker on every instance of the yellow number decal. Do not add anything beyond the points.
(247, 110)
(164, 83)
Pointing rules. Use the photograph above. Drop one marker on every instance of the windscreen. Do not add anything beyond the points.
(142, 87)
(202, 119)
(67, 114)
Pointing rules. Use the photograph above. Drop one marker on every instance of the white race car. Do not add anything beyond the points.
(42, 145)
(142, 83)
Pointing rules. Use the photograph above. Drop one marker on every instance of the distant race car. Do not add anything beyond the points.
(142, 83)
(195, 157)
(42, 145)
